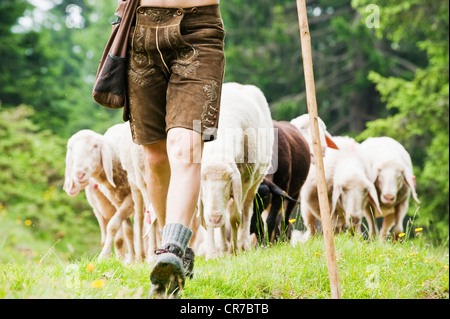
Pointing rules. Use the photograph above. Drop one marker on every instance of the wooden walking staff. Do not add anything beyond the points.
(318, 160)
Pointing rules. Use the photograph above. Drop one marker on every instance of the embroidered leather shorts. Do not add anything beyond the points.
(175, 72)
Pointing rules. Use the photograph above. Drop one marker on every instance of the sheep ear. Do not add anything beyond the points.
(373, 197)
(329, 141)
(335, 198)
(410, 181)
(200, 210)
(107, 163)
(236, 185)
(67, 180)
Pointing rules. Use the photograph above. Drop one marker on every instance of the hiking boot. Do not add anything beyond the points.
(173, 262)
(168, 275)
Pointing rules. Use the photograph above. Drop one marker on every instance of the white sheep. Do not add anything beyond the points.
(234, 164)
(350, 192)
(92, 155)
(302, 123)
(392, 173)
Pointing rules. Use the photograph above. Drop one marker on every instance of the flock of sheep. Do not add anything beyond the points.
(254, 174)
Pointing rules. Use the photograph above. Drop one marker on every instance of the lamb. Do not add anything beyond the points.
(391, 171)
(104, 211)
(293, 163)
(350, 192)
(92, 155)
(234, 164)
(302, 123)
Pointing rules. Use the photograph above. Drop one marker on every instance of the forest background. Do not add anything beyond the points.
(381, 69)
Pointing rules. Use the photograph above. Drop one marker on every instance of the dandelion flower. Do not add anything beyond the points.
(401, 235)
(292, 220)
(99, 283)
(90, 267)
(418, 229)
(28, 222)
(316, 253)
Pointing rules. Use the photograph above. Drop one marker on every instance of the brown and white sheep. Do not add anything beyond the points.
(92, 155)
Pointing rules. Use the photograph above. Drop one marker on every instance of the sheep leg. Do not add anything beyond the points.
(400, 213)
(223, 241)
(138, 223)
(310, 223)
(272, 217)
(119, 248)
(371, 223)
(287, 225)
(257, 224)
(235, 221)
(103, 223)
(210, 243)
(388, 221)
(114, 225)
(247, 211)
(152, 242)
(128, 230)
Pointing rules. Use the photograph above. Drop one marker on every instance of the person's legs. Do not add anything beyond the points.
(174, 95)
(184, 149)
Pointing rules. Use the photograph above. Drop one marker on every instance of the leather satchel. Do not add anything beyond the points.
(110, 88)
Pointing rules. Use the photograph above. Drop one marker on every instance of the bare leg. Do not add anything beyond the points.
(157, 170)
(184, 149)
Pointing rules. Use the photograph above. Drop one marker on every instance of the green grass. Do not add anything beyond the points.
(410, 270)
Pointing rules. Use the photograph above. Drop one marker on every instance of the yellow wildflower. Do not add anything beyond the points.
(28, 222)
(292, 220)
(316, 253)
(418, 229)
(90, 267)
(401, 235)
(99, 283)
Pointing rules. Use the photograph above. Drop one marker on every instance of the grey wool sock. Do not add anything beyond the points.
(177, 235)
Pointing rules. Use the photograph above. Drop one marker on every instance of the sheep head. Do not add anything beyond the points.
(391, 178)
(303, 125)
(353, 197)
(87, 155)
(220, 182)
